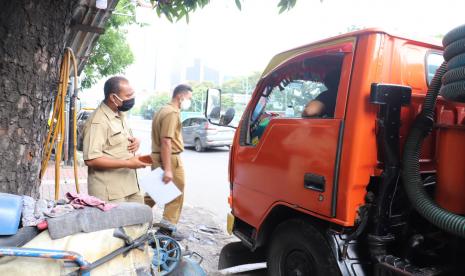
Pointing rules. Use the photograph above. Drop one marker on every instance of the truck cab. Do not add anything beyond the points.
(318, 191)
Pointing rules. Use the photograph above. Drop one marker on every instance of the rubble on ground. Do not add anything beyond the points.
(205, 234)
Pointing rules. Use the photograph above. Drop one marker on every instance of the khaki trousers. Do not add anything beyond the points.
(172, 211)
(136, 197)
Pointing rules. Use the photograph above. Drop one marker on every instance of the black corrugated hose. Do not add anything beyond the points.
(451, 75)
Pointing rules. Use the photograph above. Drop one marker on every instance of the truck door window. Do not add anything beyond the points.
(301, 90)
(290, 102)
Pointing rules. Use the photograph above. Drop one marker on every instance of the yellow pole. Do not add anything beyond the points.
(53, 129)
(75, 164)
(61, 125)
(57, 126)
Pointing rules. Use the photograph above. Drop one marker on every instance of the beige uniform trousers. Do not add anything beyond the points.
(136, 197)
(172, 211)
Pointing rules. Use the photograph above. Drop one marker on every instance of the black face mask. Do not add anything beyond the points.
(127, 105)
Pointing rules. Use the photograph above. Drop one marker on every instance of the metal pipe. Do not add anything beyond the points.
(47, 254)
(243, 268)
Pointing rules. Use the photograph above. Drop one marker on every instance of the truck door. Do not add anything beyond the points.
(286, 155)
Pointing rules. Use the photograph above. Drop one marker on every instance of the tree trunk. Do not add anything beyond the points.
(32, 40)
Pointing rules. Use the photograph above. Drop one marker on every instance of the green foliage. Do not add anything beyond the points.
(124, 14)
(353, 28)
(199, 92)
(241, 85)
(177, 9)
(285, 5)
(238, 4)
(152, 105)
(111, 54)
(227, 101)
(174, 10)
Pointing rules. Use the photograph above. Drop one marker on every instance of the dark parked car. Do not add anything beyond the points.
(81, 119)
(197, 132)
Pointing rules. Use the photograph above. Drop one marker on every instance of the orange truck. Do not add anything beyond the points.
(373, 181)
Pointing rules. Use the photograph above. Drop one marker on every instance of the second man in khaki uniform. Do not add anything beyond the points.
(167, 144)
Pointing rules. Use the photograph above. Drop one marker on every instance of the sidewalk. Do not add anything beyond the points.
(47, 186)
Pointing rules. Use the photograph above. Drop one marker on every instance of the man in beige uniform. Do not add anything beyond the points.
(167, 144)
(109, 147)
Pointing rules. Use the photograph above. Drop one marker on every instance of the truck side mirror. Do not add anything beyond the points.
(214, 112)
(228, 116)
(213, 105)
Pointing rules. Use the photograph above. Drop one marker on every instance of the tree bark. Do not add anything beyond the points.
(32, 40)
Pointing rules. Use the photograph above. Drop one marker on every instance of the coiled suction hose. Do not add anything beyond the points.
(451, 74)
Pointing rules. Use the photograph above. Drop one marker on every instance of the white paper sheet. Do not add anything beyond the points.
(160, 192)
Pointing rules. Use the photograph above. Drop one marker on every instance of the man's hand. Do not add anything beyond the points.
(167, 177)
(135, 163)
(134, 145)
(313, 109)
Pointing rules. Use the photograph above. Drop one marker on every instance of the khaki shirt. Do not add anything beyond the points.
(106, 134)
(166, 123)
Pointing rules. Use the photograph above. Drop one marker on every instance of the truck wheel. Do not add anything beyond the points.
(198, 145)
(297, 248)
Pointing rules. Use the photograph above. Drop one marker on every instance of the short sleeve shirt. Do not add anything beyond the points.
(166, 123)
(328, 98)
(106, 134)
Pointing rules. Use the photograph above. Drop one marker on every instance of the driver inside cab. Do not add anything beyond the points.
(324, 104)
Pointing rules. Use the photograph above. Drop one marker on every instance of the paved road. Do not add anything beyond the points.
(206, 172)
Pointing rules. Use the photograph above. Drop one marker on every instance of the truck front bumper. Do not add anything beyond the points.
(230, 223)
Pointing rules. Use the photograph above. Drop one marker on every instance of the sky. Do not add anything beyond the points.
(240, 42)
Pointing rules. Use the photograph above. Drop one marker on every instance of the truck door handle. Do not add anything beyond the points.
(314, 182)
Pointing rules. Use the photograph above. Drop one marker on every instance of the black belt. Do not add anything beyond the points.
(173, 153)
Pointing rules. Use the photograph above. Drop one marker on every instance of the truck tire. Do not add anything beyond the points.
(297, 248)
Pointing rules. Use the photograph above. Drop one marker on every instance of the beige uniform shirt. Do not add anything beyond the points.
(166, 123)
(106, 135)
